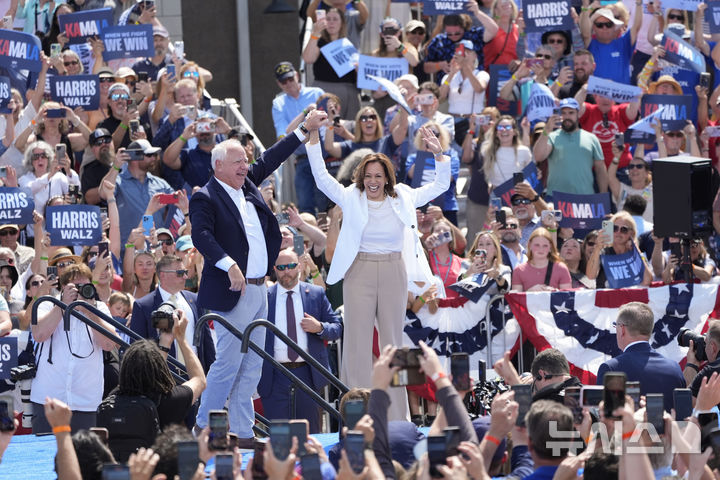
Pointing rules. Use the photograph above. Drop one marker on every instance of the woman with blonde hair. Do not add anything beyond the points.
(544, 270)
(485, 255)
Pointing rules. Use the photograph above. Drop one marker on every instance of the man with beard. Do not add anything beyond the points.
(194, 164)
(571, 153)
(527, 205)
(154, 64)
(513, 253)
(583, 67)
(101, 144)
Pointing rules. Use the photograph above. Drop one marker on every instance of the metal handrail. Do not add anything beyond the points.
(267, 357)
(36, 304)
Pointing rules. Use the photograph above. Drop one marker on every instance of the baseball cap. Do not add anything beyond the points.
(105, 72)
(99, 133)
(123, 72)
(607, 13)
(468, 44)
(160, 30)
(408, 77)
(284, 70)
(9, 225)
(569, 103)
(160, 231)
(119, 86)
(183, 243)
(146, 147)
(413, 24)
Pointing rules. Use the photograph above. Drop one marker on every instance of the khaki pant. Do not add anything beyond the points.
(375, 287)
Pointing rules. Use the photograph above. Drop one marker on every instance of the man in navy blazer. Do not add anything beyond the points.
(639, 361)
(314, 322)
(172, 283)
(239, 238)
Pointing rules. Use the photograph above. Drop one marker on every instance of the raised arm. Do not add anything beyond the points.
(543, 148)
(312, 51)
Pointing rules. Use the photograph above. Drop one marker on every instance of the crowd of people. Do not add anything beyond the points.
(378, 226)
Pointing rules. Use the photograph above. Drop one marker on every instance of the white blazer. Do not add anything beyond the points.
(354, 205)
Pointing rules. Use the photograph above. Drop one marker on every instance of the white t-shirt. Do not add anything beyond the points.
(384, 232)
(508, 162)
(462, 97)
(646, 193)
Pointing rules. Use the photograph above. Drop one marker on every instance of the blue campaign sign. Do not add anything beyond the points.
(422, 160)
(73, 224)
(690, 5)
(16, 205)
(19, 51)
(625, 270)
(128, 41)
(5, 95)
(582, 212)
(499, 75)
(341, 55)
(541, 103)
(675, 110)
(680, 53)
(507, 189)
(8, 356)
(394, 92)
(473, 287)
(712, 16)
(76, 91)
(547, 15)
(80, 26)
(389, 68)
(444, 7)
(619, 92)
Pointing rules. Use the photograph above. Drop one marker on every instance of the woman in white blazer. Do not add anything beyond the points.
(378, 251)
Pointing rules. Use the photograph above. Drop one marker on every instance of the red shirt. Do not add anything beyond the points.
(617, 122)
(495, 47)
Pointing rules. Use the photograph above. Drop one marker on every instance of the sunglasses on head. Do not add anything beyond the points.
(36, 156)
(639, 166)
(547, 376)
(189, 74)
(71, 62)
(287, 266)
(674, 134)
(543, 55)
(179, 273)
(622, 229)
(675, 17)
(367, 118)
(604, 25)
(521, 201)
(119, 96)
(505, 127)
(8, 231)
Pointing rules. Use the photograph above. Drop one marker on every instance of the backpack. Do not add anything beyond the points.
(132, 422)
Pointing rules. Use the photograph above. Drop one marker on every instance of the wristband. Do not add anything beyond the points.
(111, 199)
(437, 376)
(627, 435)
(420, 297)
(313, 37)
(129, 245)
(545, 133)
(551, 230)
(692, 365)
(317, 274)
(44, 258)
(116, 167)
(62, 429)
(124, 126)
(558, 83)
(183, 138)
(305, 112)
(147, 99)
(404, 50)
(186, 214)
(513, 77)
(584, 9)
(472, 134)
(492, 439)
(650, 62)
(95, 282)
(33, 122)
(164, 349)
(446, 82)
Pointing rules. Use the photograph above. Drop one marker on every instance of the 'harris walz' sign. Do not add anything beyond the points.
(76, 91)
(547, 15)
(73, 224)
(16, 206)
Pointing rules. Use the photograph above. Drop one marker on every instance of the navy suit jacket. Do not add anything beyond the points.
(142, 324)
(218, 229)
(314, 303)
(641, 363)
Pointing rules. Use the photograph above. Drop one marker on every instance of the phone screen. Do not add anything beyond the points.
(187, 459)
(354, 411)
(103, 248)
(572, 401)
(682, 399)
(518, 177)
(500, 217)
(299, 429)
(591, 395)
(113, 471)
(614, 392)
(608, 227)
(298, 245)
(280, 439)
(258, 467)
(436, 453)
(218, 430)
(224, 466)
(654, 405)
(452, 440)
(310, 466)
(460, 371)
(355, 450)
(523, 396)
(633, 390)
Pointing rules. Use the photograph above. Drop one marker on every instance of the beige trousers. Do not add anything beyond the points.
(375, 287)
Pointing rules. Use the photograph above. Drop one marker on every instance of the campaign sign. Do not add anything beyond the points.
(582, 212)
(73, 224)
(444, 7)
(680, 53)
(673, 116)
(624, 270)
(341, 55)
(540, 104)
(8, 356)
(80, 26)
(499, 76)
(690, 5)
(128, 41)
(712, 16)
(547, 15)
(389, 68)
(507, 189)
(5, 95)
(394, 92)
(19, 51)
(635, 137)
(473, 288)
(422, 159)
(76, 91)
(16, 205)
(619, 92)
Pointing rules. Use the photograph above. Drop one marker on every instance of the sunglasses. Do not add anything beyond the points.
(65, 264)
(604, 25)
(455, 34)
(511, 226)
(367, 118)
(621, 229)
(547, 376)
(504, 127)
(168, 241)
(542, 55)
(36, 156)
(130, 83)
(287, 266)
(8, 231)
(179, 273)
(675, 17)
(555, 40)
(521, 201)
(103, 140)
(119, 96)
(639, 166)
(107, 80)
(674, 134)
(590, 244)
(418, 31)
(71, 62)
(189, 74)
(36, 283)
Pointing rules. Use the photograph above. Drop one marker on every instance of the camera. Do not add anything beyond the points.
(163, 317)
(22, 376)
(87, 291)
(684, 338)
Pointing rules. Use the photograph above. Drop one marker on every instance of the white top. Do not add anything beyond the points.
(462, 98)
(76, 381)
(646, 193)
(44, 188)
(281, 349)
(384, 231)
(180, 302)
(507, 163)
(12, 155)
(257, 252)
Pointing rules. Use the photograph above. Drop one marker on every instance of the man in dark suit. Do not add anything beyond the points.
(310, 321)
(639, 361)
(239, 238)
(172, 281)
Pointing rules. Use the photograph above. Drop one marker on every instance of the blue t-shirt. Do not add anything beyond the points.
(612, 60)
(196, 168)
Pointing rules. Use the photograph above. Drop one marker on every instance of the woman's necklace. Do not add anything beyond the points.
(447, 264)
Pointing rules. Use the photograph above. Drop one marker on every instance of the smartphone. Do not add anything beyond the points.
(620, 140)
(501, 217)
(190, 111)
(170, 69)
(298, 245)
(547, 216)
(354, 411)
(204, 127)
(135, 154)
(60, 151)
(409, 373)
(682, 401)
(55, 113)
(218, 422)
(437, 454)
(558, 215)
(481, 120)
(319, 14)
(518, 177)
(443, 238)
(322, 218)
(258, 467)
(614, 392)
(52, 272)
(591, 395)
(179, 49)
(299, 429)
(704, 80)
(655, 409)
(310, 464)
(572, 401)
(523, 396)
(608, 227)
(113, 471)
(452, 440)
(534, 62)
(134, 126)
(101, 432)
(676, 250)
(632, 389)
(280, 438)
(496, 202)
(460, 50)
(283, 218)
(73, 191)
(223, 466)
(55, 49)
(460, 370)
(7, 413)
(233, 441)
(187, 459)
(168, 199)
(355, 450)
(482, 371)
(3, 172)
(142, 76)
(148, 223)
(714, 441)
(103, 248)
